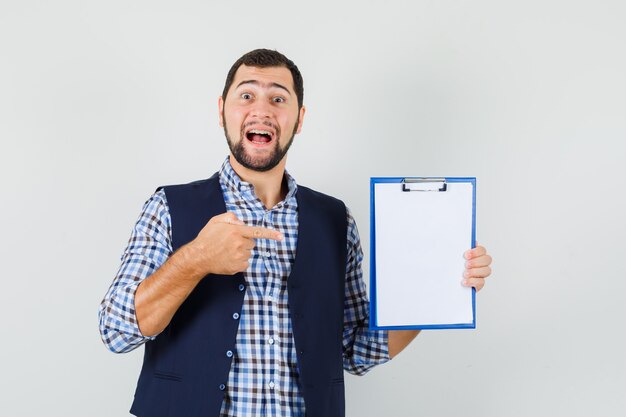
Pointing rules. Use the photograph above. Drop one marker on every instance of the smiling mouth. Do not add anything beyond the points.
(258, 136)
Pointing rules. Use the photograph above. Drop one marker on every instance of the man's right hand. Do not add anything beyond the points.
(225, 244)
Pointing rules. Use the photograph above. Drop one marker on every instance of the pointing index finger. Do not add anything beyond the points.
(255, 232)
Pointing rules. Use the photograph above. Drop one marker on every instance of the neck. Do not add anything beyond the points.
(268, 185)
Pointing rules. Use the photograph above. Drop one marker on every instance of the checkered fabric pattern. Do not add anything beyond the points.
(264, 376)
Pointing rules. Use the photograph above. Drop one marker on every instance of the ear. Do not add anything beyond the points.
(220, 107)
(301, 119)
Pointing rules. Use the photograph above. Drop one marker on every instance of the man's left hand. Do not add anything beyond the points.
(477, 267)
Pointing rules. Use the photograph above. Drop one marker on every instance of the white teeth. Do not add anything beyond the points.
(260, 132)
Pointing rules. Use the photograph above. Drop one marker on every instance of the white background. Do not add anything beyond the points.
(101, 102)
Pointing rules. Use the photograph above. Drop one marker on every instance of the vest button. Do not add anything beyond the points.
(242, 287)
(222, 387)
(236, 316)
(229, 353)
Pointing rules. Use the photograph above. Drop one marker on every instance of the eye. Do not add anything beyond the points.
(246, 96)
(278, 99)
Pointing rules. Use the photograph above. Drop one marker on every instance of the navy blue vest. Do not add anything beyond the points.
(186, 367)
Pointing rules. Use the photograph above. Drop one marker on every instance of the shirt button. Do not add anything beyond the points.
(242, 287)
(270, 341)
(271, 384)
(267, 254)
(222, 387)
(229, 353)
(236, 316)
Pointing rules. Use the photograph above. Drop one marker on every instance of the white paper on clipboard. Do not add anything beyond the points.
(420, 238)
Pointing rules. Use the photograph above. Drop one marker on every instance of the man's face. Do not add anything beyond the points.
(260, 116)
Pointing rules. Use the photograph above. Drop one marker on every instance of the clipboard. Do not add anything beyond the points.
(420, 228)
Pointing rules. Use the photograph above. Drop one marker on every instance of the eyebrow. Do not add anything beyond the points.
(255, 82)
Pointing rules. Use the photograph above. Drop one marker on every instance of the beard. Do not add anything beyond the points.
(260, 163)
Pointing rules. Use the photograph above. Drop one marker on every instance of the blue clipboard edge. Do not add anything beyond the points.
(373, 322)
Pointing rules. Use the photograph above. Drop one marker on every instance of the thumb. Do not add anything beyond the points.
(228, 218)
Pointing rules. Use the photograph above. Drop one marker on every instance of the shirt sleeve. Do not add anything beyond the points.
(148, 248)
(362, 348)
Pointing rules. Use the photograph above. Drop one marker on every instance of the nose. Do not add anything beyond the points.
(261, 110)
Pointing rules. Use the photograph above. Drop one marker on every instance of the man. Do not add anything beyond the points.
(235, 320)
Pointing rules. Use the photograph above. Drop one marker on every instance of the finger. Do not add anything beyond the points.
(228, 218)
(484, 260)
(477, 283)
(473, 253)
(477, 272)
(254, 232)
(242, 266)
(242, 245)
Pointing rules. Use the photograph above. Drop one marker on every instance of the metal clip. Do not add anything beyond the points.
(424, 184)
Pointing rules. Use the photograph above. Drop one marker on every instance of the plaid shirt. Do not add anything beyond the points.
(263, 379)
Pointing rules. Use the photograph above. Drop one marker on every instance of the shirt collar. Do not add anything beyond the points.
(232, 182)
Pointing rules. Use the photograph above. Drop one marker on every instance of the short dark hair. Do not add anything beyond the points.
(263, 58)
